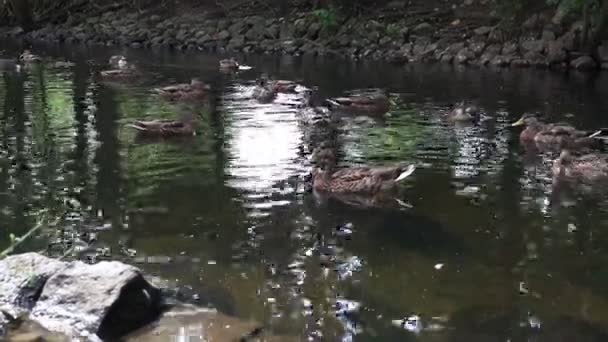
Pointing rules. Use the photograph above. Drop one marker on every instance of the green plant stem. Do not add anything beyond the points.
(24, 237)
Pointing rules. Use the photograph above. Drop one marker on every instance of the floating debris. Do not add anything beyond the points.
(438, 266)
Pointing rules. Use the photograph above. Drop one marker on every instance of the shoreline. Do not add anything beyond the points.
(544, 45)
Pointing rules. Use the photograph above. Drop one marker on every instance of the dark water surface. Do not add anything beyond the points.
(483, 255)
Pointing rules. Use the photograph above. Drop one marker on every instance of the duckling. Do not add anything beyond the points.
(360, 180)
(558, 135)
(28, 57)
(375, 103)
(195, 90)
(464, 113)
(588, 168)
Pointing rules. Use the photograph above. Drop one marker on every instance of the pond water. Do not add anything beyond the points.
(482, 255)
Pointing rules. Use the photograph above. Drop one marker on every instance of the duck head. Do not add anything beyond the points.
(528, 120)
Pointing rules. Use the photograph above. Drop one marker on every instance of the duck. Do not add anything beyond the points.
(229, 64)
(28, 57)
(166, 128)
(118, 62)
(463, 113)
(264, 91)
(284, 86)
(360, 180)
(558, 135)
(374, 103)
(311, 115)
(121, 69)
(194, 90)
(588, 168)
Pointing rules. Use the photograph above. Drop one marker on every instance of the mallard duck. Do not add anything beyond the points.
(194, 90)
(463, 113)
(375, 103)
(558, 135)
(360, 180)
(588, 168)
(229, 64)
(284, 86)
(118, 62)
(121, 69)
(309, 114)
(264, 91)
(165, 128)
(28, 57)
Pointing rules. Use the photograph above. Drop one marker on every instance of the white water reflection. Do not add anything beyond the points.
(262, 142)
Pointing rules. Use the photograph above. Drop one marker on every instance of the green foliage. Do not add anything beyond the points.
(510, 7)
(328, 17)
(571, 6)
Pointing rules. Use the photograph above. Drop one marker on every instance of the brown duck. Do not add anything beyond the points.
(559, 135)
(121, 69)
(229, 64)
(195, 90)
(587, 168)
(463, 113)
(167, 128)
(375, 103)
(264, 91)
(360, 180)
(28, 57)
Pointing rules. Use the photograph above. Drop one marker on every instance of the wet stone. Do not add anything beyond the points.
(108, 298)
(21, 280)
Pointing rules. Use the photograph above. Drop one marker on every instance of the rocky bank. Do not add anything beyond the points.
(547, 40)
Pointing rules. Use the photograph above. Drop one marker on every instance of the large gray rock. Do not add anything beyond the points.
(584, 63)
(464, 56)
(107, 299)
(537, 46)
(21, 280)
(99, 298)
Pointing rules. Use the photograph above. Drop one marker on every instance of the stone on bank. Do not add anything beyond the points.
(107, 299)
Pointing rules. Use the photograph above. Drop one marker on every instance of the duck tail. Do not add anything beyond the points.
(138, 126)
(406, 173)
(599, 134)
(332, 102)
(244, 67)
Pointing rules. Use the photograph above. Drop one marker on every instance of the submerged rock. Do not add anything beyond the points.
(108, 299)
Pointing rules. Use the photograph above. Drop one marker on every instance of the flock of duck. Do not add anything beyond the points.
(579, 160)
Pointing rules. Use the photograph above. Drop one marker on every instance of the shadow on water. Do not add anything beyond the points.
(482, 255)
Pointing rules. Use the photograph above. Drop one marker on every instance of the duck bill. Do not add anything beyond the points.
(519, 122)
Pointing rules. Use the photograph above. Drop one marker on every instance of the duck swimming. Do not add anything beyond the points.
(229, 64)
(558, 135)
(360, 180)
(374, 103)
(28, 57)
(588, 168)
(122, 69)
(463, 113)
(195, 90)
(167, 128)
(264, 91)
